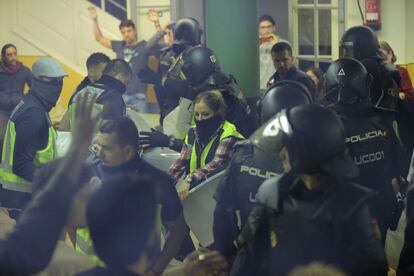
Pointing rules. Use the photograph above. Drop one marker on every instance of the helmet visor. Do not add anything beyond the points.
(341, 94)
(271, 137)
(346, 50)
(176, 67)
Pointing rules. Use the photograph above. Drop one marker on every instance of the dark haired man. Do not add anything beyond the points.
(284, 62)
(123, 246)
(95, 64)
(132, 51)
(108, 89)
(13, 74)
(118, 154)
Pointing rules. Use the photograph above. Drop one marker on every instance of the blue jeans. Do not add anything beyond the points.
(139, 101)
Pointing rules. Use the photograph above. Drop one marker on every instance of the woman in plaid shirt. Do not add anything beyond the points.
(207, 146)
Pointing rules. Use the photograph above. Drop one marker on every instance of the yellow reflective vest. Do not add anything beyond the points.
(200, 159)
(8, 179)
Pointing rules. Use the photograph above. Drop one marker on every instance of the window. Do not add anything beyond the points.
(144, 27)
(117, 8)
(315, 31)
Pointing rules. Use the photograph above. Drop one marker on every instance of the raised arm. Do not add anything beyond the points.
(104, 41)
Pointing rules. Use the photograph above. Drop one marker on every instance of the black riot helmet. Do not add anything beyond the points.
(187, 32)
(283, 94)
(314, 138)
(348, 82)
(359, 42)
(198, 63)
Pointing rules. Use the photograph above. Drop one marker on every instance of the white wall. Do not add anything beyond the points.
(145, 27)
(6, 34)
(59, 28)
(63, 28)
(396, 25)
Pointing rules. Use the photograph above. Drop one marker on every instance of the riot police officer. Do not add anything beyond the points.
(361, 43)
(312, 212)
(250, 166)
(371, 141)
(197, 70)
(187, 33)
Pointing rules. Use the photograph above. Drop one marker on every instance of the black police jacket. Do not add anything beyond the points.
(294, 74)
(167, 100)
(330, 225)
(112, 90)
(375, 149)
(247, 170)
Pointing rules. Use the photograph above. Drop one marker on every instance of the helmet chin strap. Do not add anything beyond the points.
(286, 182)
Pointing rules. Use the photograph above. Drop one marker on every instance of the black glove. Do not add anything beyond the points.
(153, 139)
(149, 76)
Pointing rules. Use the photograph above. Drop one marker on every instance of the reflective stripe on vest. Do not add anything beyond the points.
(97, 108)
(8, 179)
(84, 245)
(229, 130)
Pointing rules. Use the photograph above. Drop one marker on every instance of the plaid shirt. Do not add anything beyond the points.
(223, 151)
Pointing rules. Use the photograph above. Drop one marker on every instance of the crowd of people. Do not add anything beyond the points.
(310, 180)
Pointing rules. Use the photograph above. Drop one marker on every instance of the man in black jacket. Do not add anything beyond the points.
(95, 64)
(108, 89)
(187, 34)
(123, 233)
(28, 249)
(371, 141)
(118, 154)
(249, 167)
(30, 139)
(313, 212)
(283, 60)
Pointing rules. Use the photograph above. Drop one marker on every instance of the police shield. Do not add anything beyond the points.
(199, 208)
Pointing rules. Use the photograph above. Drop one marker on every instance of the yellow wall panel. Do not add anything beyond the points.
(410, 68)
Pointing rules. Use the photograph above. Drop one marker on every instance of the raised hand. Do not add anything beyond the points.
(153, 16)
(93, 13)
(83, 132)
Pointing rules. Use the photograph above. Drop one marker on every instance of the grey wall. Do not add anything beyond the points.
(279, 10)
(188, 8)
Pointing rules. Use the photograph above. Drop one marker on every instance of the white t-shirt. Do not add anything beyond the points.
(266, 63)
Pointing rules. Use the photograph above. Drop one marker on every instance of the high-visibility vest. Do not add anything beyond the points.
(95, 90)
(200, 159)
(8, 179)
(84, 245)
